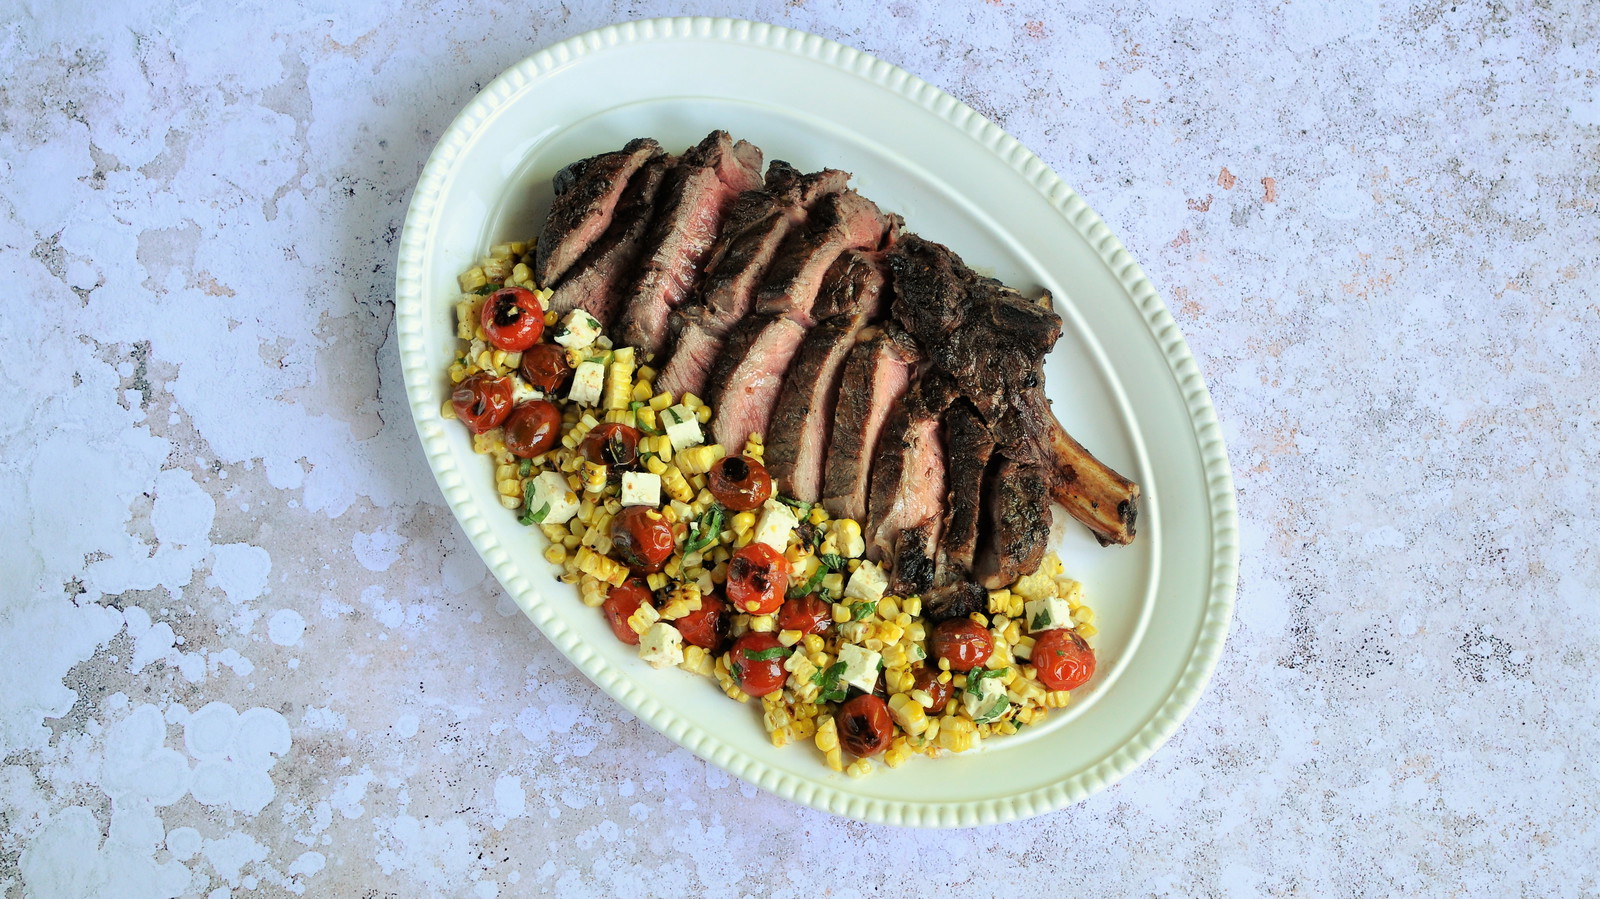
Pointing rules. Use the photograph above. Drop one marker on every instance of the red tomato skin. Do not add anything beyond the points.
(928, 679)
(707, 628)
(482, 401)
(1062, 659)
(964, 643)
(612, 444)
(532, 428)
(808, 614)
(758, 577)
(544, 366)
(642, 538)
(512, 319)
(621, 602)
(756, 677)
(739, 483)
(865, 727)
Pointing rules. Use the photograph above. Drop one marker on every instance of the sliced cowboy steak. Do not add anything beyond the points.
(587, 194)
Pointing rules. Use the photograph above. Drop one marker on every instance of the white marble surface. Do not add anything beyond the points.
(244, 648)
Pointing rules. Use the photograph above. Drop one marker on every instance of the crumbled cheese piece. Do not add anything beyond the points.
(588, 380)
(661, 646)
(867, 583)
(552, 501)
(988, 702)
(1047, 615)
(776, 524)
(860, 667)
(522, 391)
(578, 329)
(682, 427)
(641, 488)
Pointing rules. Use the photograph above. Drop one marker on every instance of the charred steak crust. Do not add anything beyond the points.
(695, 201)
(594, 283)
(838, 222)
(587, 194)
(1017, 518)
(968, 446)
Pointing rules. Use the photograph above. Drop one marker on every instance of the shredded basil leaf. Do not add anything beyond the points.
(833, 561)
(828, 680)
(791, 502)
(531, 516)
(1041, 620)
(525, 468)
(765, 655)
(862, 609)
(486, 289)
(810, 586)
(705, 530)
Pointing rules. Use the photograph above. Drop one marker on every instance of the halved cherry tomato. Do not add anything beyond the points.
(756, 662)
(707, 628)
(807, 614)
(544, 366)
(1062, 658)
(532, 428)
(865, 727)
(513, 319)
(927, 679)
(740, 483)
(613, 444)
(758, 576)
(642, 538)
(482, 401)
(621, 602)
(964, 643)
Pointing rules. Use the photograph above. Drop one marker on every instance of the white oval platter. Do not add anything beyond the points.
(1121, 378)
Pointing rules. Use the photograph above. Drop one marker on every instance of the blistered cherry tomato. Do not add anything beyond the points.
(707, 628)
(806, 614)
(758, 576)
(482, 401)
(643, 539)
(962, 642)
(532, 428)
(612, 444)
(544, 366)
(756, 661)
(1062, 658)
(927, 679)
(621, 603)
(513, 319)
(740, 483)
(864, 725)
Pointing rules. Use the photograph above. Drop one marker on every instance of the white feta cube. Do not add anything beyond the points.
(683, 429)
(777, 522)
(1047, 614)
(867, 583)
(988, 701)
(641, 488)
(860, 667)
(552, 501)
(588, 382)
(661, 646)
(578, 329)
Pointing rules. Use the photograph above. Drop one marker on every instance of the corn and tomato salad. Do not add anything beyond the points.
(693, 557)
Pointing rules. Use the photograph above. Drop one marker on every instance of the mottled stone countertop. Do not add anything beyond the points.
(246, 650)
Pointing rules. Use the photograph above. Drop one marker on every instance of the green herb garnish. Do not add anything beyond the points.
(532, 516)
(791, 502)
(828, 680)
(861, 610)
(833, 561)
(525, 468)
(1041, 620)
(486, 289)
(810, 586)
(765, 655)
(706, 530)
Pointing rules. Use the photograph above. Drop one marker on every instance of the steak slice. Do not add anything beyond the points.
(968, 446)
(745, 382)
(839, 222)
(906, 502)
(595, 282)
(797, 436)
(694, 203)
(587, 194)
(957, 600)
(731, 285)
(1016, 519)
(856, 282)
(877, 372)
(694, 352)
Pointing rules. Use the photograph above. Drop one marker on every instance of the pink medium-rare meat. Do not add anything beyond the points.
(802, 420)
(877, 372)
(694, 352)
(587, 194)
(596, 281)
(839, 222)
(696, 198)
(905, 505)
(748, 376)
